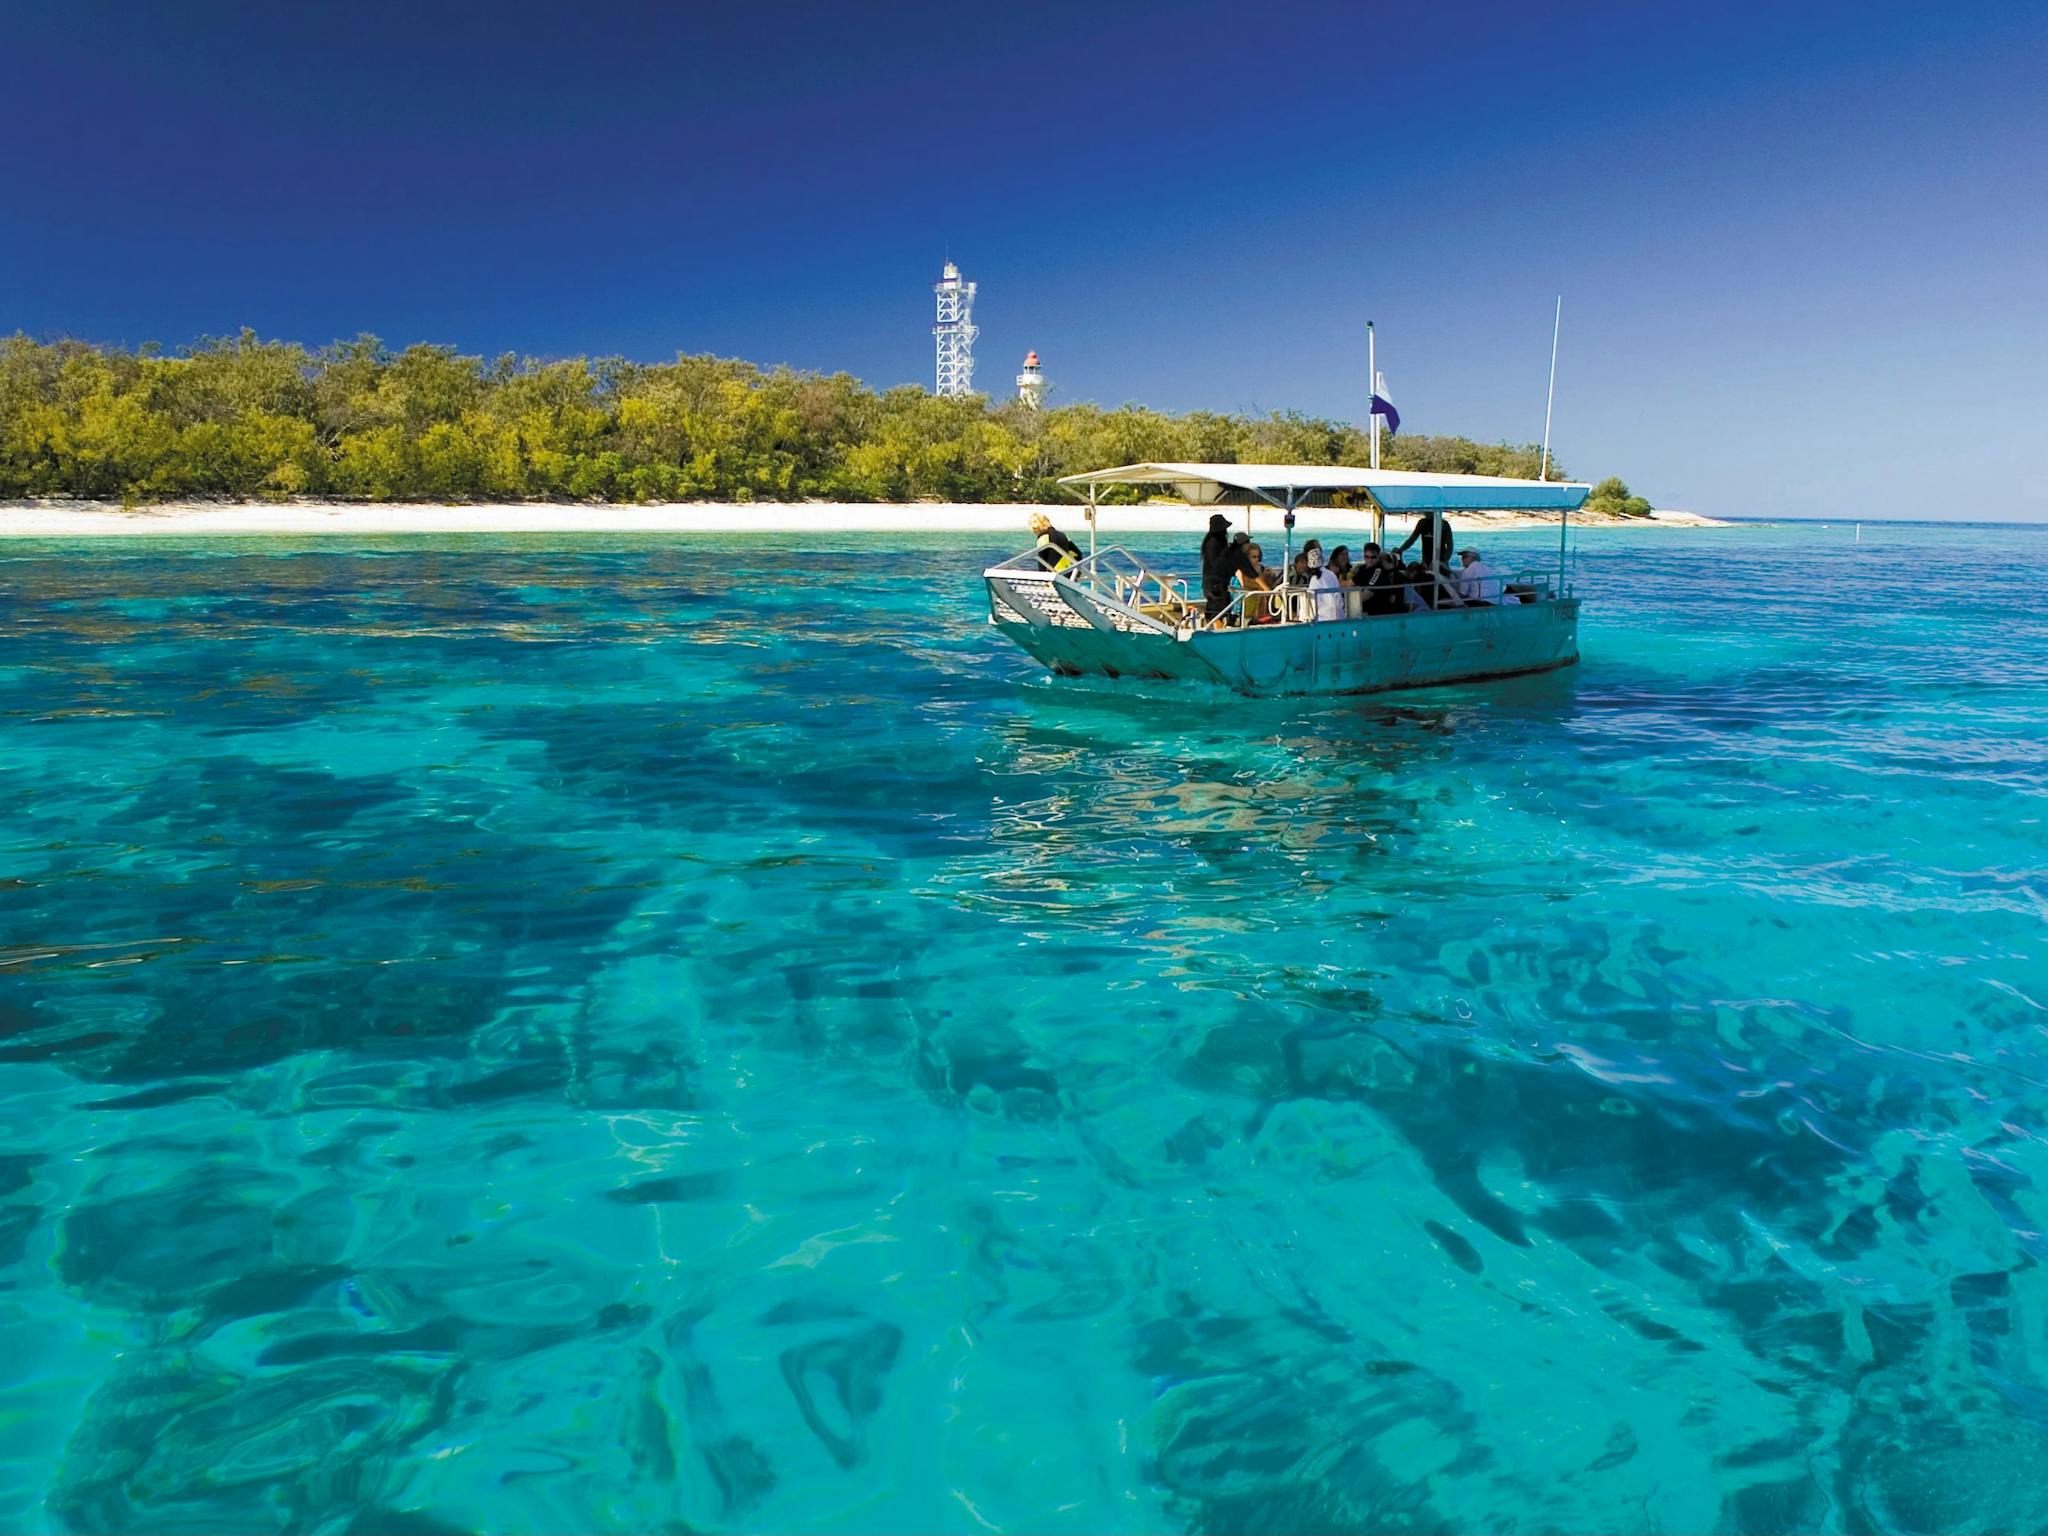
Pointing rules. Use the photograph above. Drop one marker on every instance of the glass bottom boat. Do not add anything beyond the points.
(1110, 615)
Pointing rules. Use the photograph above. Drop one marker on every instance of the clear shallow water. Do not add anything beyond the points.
(498, 1038)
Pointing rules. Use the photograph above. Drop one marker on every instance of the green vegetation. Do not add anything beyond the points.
(1612, 496)
(242, 417)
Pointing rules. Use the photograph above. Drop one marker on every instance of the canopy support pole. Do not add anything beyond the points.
(1439, 556)
(1372, 385)
(1091, 522)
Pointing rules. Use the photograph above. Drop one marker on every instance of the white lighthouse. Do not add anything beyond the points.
(1031, 382)
(954, 332)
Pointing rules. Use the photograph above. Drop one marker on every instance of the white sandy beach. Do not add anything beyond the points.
(85, 519)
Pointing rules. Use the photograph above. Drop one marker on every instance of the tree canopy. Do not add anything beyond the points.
(244, 417)
(1612, 496)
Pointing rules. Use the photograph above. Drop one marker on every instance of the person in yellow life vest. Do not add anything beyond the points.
(1055, 550)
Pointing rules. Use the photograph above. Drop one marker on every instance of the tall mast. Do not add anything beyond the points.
(1556, 325)
(1564, 518)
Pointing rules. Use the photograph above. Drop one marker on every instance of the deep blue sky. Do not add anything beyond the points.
(1803, 248)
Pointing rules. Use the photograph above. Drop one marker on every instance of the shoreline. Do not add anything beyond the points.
(97, 520)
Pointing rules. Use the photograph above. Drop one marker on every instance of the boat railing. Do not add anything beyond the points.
(1028, 561)
(1118, 574)
(1297, 605)
(1278, 605)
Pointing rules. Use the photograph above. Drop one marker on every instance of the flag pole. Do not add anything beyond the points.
(1372, 388)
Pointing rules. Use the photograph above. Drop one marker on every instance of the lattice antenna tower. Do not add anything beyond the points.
(955, 332)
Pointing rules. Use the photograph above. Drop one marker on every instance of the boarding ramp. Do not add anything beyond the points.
(1111, 591)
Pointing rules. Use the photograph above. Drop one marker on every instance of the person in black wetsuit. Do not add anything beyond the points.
(1222, 558)
(1427, 527)
(1055, 550)
(1380, 575)
(1216, 571)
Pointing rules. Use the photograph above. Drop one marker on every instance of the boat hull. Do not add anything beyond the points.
(1365, 655)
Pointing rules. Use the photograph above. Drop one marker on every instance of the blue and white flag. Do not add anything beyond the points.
(1382, 406)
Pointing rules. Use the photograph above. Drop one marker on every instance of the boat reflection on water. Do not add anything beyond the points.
(1104, 778)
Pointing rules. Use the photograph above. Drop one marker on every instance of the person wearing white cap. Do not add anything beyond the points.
(1323, 582)
(1477, 582)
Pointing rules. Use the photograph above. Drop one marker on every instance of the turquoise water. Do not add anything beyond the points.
(662, 1035)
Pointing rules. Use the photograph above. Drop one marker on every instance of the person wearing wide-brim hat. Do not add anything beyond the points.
(1223, 558)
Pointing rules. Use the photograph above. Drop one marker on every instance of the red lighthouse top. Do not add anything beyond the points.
(1030, 359)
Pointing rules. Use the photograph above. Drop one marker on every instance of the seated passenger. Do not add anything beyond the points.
(1055, 550)
(1263, 578)
(1394, 582)
(1447, 585)
(1421, 590)
(1430, 588)
(1378, 574)
(1477, 581)
(1327, 590)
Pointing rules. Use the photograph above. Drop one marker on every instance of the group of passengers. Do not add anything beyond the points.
(1389, 584)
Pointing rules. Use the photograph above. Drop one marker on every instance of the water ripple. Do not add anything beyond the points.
(640, 1037)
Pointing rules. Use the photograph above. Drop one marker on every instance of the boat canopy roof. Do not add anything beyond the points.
(1326, 485)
